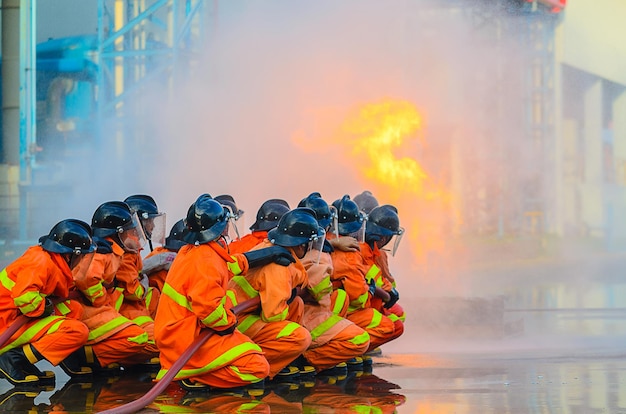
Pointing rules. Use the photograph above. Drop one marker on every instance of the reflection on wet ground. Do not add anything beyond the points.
(539, 340)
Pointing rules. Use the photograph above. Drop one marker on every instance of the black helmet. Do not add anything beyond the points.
(316, 203)
(366, 201)
(269, 213)
(111, 218)
(383, 221)
(228, 201)
(175, 240)
(69, 236)
(206, 220)
(349, 218)
(143, 205)
(296, 227)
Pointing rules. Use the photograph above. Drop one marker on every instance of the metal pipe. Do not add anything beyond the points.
(11, 82)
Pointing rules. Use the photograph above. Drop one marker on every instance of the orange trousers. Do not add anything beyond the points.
(118, 348)
(229, 376)
(338, 349)
(282, 342)
(55, 346)
(378, 326)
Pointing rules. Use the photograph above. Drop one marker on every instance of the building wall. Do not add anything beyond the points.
(591, 120)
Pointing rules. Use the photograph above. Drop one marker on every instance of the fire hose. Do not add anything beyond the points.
(17, 324)
(163, 383)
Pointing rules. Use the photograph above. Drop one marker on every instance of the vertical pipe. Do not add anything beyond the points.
(11, 82)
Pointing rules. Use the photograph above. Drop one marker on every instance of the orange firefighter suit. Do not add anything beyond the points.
(277, 326)
(194, 298)
(333, 339)
(113, 338)
(377, 266)
(132, 299)
(349, 274)
(24, 286)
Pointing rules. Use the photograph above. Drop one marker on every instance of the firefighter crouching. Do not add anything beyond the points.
(37, 285)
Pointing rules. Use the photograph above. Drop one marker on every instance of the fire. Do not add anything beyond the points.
(386, 140)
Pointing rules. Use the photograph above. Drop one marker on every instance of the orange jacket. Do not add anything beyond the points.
(127, 276)
(273, 283)
(194, 297)
(247, 242)
(100, 274)
(375, 261)
(24, 286)
(27, 282)
(349, 273)
(318, 317)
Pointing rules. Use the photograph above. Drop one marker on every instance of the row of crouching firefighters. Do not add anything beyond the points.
(92, 304)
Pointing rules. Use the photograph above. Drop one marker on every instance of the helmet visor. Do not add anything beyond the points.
(231, 232)
(79, 264)
(133, 239)
(154, 227)
(359, 235)
(316, 244)
(397, 238)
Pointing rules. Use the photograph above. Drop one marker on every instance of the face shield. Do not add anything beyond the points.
(153, 226)
(359, 235)
(395, 240)
(133, 239)
(333, 228)
(79, 264)
(315, 246)
(232, 230)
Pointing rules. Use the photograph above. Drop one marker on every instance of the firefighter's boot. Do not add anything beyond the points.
(15, 367)
(75, 365)
(33, 356)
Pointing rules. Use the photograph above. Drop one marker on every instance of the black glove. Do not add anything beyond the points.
(48, 308)
(103, 246)
(393, 298)
(272, 254)
(327, 247)
(227, 331)
(294, 293)
(372, 287)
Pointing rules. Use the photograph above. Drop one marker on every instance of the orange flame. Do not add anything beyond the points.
(386, 140)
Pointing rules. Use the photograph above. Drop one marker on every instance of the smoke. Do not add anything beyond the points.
(258, 112)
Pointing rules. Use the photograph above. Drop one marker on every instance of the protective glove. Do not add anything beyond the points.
(103, 246)
(227, 331)
(48, 308)
(372, 287)
(272, 254)
(161, 261)
(393, 298)
(294, 293)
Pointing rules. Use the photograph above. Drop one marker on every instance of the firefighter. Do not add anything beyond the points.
(383, 226)
(349, 275)
(267, 218)
(134, 298)
(194, 298)
(276, 326)
(29, 286)
(113, 338)
(335, 340)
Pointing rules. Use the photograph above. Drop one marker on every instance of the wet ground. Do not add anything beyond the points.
(534, 338)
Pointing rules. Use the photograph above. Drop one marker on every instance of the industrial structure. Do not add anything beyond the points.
(570, 127)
